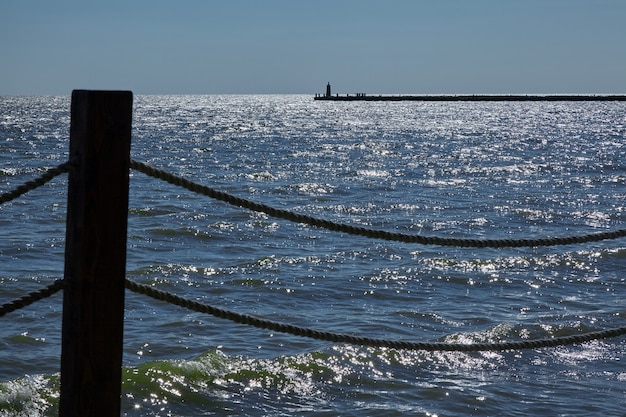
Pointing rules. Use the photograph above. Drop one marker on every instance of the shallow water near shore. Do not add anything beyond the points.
(465, 170)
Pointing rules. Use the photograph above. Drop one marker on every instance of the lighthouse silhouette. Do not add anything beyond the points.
(328, 90)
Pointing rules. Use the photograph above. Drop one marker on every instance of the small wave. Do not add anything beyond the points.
(148, 211)
(180, 232)
(373, 173)
(30, 396)
(214, 380)
(618, 253)
(313, 189)
(261, 176)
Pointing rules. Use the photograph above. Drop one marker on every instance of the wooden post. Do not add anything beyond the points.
(95, 254)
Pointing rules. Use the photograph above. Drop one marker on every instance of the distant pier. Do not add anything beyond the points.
(469, 97)
(479, 97)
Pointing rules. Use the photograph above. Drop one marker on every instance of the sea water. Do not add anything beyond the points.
(464, 170)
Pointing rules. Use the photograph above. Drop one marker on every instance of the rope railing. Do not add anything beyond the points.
(306, 332)
(18, 191)
(36, 183)
(302, 331)
(246, 319)
(32, 297)
(370, 233)
(367, 341)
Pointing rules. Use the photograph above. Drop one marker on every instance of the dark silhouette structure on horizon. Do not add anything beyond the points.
(471, 97)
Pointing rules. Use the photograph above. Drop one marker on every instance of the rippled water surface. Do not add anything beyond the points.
(463, 170)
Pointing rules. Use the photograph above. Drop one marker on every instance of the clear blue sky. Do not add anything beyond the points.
(296, 46)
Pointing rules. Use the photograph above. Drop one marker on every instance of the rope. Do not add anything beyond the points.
(34, 296)
(365, 341)
(12, 195)
(37, 182)
(360, 231)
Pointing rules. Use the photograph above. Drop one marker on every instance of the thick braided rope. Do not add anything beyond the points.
(361, 231)
(34, 296)
(37, 182)
(366, 341)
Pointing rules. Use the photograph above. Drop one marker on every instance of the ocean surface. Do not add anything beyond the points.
(465, 170)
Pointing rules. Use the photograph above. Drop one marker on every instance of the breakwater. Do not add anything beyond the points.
(479, 97)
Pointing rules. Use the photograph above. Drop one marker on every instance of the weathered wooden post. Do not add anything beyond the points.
(95, 253)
